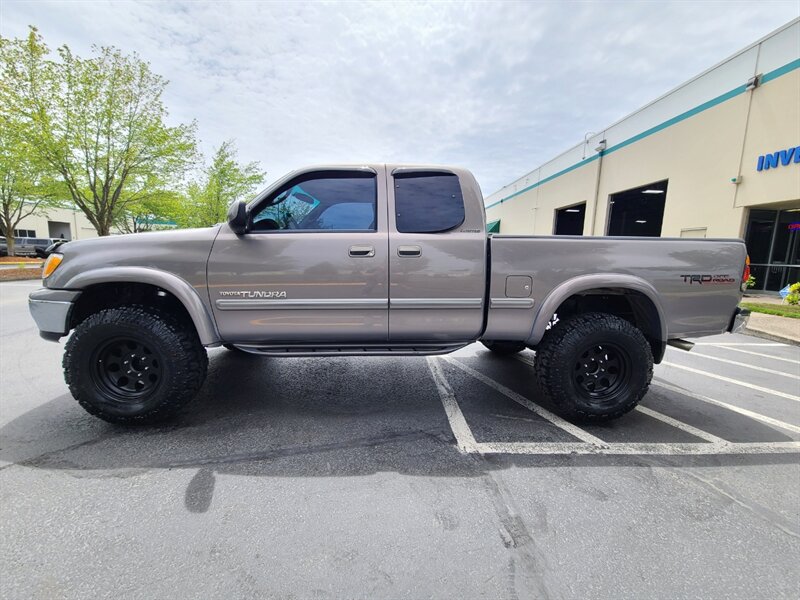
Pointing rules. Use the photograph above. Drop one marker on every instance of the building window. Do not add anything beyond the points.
(569, 220)
(24, 233)
(639, 211)
(773, 243)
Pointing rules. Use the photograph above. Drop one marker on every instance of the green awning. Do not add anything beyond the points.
(493, 227)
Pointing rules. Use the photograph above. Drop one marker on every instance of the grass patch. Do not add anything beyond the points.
(780, 310)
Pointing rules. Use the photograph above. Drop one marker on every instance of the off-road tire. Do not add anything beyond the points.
(169, 344)
(505, 348)
(577, 350)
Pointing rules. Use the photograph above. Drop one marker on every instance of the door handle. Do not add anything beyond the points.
(405, 251)
(362, 251)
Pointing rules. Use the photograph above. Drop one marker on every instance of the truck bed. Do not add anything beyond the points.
(694, 284)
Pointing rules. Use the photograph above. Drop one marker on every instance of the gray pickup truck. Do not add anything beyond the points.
(377, 260)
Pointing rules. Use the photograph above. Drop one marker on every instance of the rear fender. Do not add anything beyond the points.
(584, 283)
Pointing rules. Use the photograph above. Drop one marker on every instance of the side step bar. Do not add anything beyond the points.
(682, 344)
(355, 350)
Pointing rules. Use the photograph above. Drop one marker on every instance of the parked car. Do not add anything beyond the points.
(3, 246)
(23, 246)
(41, 245)
(378, 260)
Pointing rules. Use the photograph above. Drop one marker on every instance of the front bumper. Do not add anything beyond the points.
(739, 320)
(51, 310)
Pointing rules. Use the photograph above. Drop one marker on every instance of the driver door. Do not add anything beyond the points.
(312, 267)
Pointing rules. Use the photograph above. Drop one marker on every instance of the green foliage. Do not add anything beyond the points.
(751, 282)
(793, 297)
(28, 184)
(224, 181)
(780, 310)
(98, 122)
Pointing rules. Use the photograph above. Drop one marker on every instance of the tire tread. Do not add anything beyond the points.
(568, 332)
(189, 356)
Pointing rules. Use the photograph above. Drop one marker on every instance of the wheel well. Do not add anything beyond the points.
(627, 304)
(109, 295)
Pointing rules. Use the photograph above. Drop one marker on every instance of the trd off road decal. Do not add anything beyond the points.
(708, 279)
(253, 294)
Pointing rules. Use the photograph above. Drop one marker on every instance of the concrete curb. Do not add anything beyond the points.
(770, 336)
(775, 328)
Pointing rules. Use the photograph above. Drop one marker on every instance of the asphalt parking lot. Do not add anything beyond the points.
(403, 478)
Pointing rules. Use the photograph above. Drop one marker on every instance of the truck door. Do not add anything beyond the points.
(312, 266)
(437, 256)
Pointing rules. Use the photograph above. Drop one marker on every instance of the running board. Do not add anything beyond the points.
(354, 350)
(682, 344)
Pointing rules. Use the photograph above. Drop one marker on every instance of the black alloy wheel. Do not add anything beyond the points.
(127, 370)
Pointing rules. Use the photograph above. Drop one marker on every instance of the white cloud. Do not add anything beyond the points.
(496, 87)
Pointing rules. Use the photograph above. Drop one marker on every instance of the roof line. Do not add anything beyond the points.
(770, 76)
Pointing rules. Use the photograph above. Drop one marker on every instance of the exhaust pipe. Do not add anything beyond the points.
(682, 344)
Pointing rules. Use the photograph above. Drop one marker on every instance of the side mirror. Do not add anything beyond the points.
(237, 217)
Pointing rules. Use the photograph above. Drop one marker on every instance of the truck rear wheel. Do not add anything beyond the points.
(134, 364)
(505, 348)
(594, 366)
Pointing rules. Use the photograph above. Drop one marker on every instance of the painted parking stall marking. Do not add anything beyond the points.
(746, 384)
(793, 361)
(589, 444)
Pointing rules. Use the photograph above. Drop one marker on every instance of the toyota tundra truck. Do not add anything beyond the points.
(387, 260)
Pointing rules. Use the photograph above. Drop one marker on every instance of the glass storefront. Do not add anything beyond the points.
(773, 243)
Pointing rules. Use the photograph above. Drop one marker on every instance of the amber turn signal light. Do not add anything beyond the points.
(51, 264)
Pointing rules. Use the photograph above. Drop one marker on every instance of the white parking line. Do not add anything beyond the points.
(690, 429)
(731, 407)
(734, 381)
(544, 413)
(591, 445)
(794, 361)
(661, 448)
(742, 344)
(458, 424)
(747, 365)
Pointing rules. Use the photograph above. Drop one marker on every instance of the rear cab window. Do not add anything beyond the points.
(427, 202)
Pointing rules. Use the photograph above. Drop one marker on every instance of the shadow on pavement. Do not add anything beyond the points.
(290, 418)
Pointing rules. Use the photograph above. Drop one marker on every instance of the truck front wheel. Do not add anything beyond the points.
(594, 366)
(134, 364)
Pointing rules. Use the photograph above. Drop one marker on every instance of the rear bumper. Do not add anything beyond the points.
(51, 310)
(739, 320)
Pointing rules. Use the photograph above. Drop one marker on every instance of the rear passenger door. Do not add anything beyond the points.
(437, 257)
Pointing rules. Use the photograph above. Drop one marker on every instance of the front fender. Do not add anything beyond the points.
(584, 283)
(178, 287)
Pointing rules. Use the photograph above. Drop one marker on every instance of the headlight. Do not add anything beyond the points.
(51, 264)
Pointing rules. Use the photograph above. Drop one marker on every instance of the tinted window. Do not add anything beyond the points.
(341, 202)
(347, 215)
(427, 202)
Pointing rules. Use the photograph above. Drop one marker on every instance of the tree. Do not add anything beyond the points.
(27, 184)
(224, 181)
(99, 122)
(154, 212)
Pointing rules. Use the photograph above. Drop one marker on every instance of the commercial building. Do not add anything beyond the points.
(718, 156)
(60, 223)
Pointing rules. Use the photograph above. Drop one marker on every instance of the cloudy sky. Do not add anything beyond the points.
(498, 87)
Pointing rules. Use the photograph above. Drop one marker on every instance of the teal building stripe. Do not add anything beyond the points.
(765, 78)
